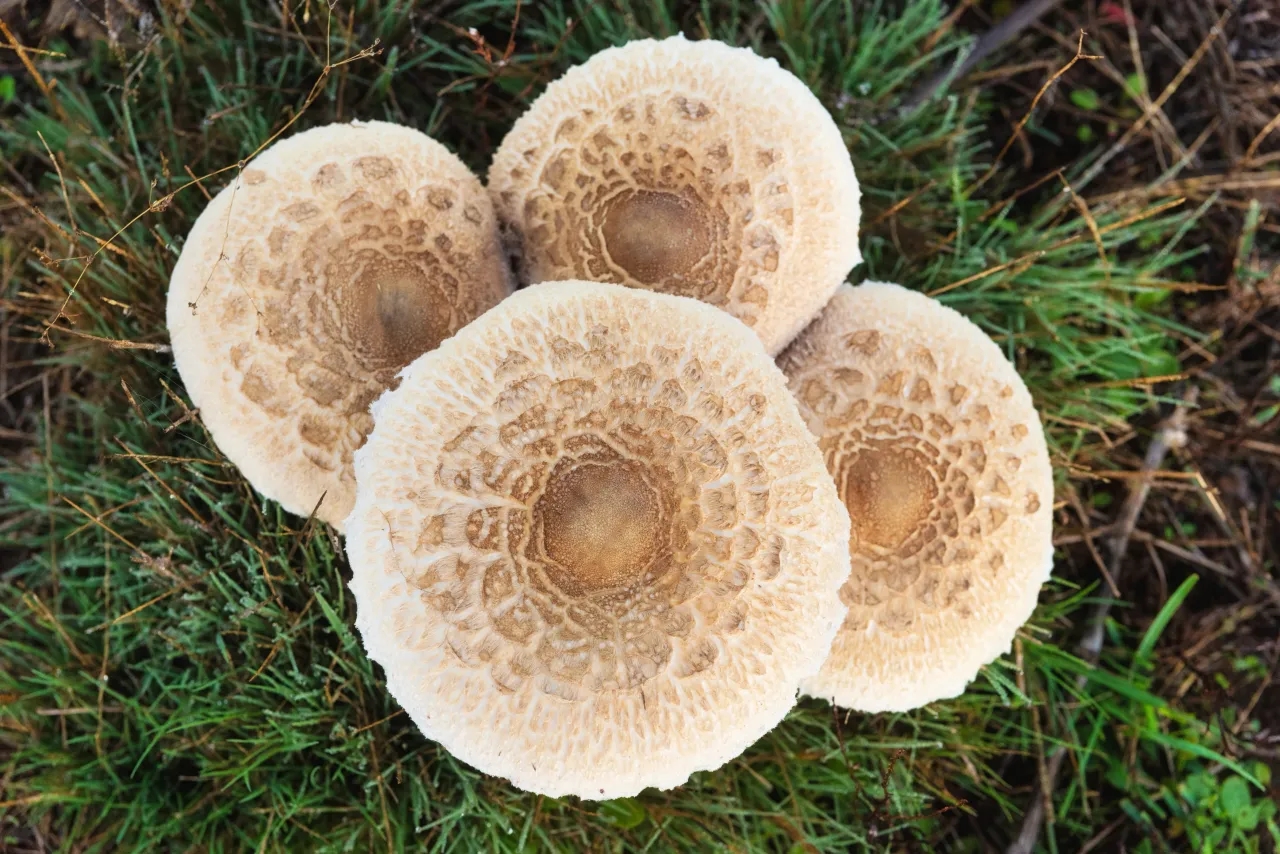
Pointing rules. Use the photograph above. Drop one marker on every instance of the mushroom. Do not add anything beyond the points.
(937, 451)
(692, 168)
(594, 546)
(336, 257)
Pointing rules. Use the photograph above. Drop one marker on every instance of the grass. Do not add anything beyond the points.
(178, 668)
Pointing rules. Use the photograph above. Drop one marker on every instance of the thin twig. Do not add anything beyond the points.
(1022, 123)
(1151, 108)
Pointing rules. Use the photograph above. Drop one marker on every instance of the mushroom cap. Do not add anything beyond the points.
(937, 451)
(692, 168)
(335, 258)
(594, 545)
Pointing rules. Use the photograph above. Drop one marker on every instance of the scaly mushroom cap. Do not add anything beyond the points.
(936, 449)
(337, 257)
(692, 168)
(594, 546)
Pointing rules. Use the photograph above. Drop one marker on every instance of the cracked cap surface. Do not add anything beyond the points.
(691, 168)
(335, 258)
(594, 545)
(937, 451)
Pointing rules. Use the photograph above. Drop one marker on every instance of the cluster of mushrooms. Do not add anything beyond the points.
(599, 538)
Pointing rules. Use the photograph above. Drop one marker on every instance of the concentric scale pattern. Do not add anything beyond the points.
(690, 168)
(336, 258)
(594, 522)
(938, 454)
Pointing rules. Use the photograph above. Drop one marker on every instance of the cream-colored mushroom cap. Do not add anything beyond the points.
(334, 259)
(692, 168)
(937, 451)
(594, 545)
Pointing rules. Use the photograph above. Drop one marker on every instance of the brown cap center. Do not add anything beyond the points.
(656, 236)
(600, 523)
(889, 494)
(395, 313)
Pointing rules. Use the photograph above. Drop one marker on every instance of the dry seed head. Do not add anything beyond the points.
(594, 545)
(334, 259)
(936, 449)
(692, 168)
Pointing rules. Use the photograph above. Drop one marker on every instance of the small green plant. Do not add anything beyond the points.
(1086, 99)
(1208, 810)
(1134, 86)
